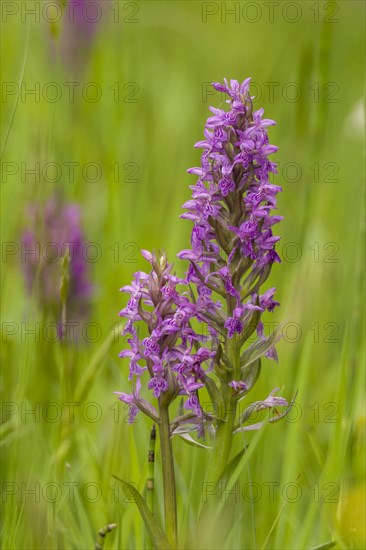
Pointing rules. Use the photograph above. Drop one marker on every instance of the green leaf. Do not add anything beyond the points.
(250, 324)
(188, 439)
(250, 373)
(214, 392)
(91, 369)
(230, 467)
(184, 429)
(325, 546)
(156, 533)
(256, 350)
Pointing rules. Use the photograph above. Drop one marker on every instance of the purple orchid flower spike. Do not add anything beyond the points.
(167, 356)
(232, 253)
(233, 250)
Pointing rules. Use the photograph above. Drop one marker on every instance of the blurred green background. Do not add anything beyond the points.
(140, 101)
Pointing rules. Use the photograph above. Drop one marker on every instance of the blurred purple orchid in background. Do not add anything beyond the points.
(75, 35)
(54, 262)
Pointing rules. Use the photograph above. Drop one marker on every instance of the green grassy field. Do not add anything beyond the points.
(140, 103)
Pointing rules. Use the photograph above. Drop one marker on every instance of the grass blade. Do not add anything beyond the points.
(154, 529)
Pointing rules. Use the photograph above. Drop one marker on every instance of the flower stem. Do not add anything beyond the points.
(150, 482)
(224, 434)
(219, 458)
(223, 443)
(170, 501)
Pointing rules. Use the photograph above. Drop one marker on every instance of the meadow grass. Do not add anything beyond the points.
(303, 482)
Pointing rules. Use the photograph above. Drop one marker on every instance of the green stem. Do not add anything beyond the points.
(150, 482)
(224, 434)
(219, 458)
(170, 501)
(223, 443)
(220, 455)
